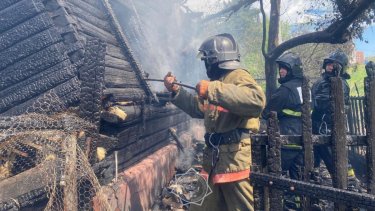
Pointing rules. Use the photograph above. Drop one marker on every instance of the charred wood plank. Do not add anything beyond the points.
(132, 134)
(115, 78)
(259, 165)
(92, 79)
(32, 65)
(307, 136)
(24, 30)
(25, 200)
(61, 69)
(274, 160)
(362, 116)
(18, 13)
(134, 153)
(357, 115)
(92, 10)
(69, 177)
(106, 142)
(126, 94)
(20, 184)
(340, 196)
(33, 105)
(95, 31)
(351, 119)
(339, 151)
(84, 15)
(135, 114)
(7, 3)
(28, 47)
(23, 91)
(105, 170)
(43, 122)
(117, 63)
(370, 131)
(352, 140)
(61, 18)
(141, 145)
(56, 99)
(125, 47)
(259, 161)
(115, 51)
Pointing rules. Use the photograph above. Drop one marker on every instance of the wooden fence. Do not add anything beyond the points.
(356, 116)
(356, 129)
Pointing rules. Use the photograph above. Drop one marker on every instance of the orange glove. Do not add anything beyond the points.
(168, 83)
(202, 89)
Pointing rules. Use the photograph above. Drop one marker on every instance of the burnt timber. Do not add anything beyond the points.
(72, 54)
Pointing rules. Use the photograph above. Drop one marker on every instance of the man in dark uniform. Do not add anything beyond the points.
(287, 102)
(334, 65)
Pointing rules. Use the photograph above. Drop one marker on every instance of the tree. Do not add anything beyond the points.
(313, 54)
(345, 23)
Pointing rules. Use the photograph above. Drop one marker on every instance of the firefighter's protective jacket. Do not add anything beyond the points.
(321, 104)
(287, 102)
(234, 101)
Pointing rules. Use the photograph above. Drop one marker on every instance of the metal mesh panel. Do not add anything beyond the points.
(42, 163)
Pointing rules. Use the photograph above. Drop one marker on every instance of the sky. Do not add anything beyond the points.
(288, 12)
(367, 48)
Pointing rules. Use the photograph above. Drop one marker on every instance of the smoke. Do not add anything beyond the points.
(163, 37)
(193, 141)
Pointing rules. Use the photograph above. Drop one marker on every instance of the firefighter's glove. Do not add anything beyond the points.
(202, 89)
(169, 79)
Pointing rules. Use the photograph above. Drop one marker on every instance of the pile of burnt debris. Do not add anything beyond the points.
(187, 186)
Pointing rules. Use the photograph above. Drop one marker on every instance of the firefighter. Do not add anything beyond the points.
(287, 102)
(230, 104)
(334, 65)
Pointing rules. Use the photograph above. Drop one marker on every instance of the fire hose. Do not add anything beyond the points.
(180, 84)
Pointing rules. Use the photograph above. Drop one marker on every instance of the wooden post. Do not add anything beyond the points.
(370, 131)
(339, 151)
(307, 136)
(258, 165)
(70, 175)
(274, 160)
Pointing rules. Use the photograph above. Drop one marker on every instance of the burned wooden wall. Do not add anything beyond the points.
(37, 57)
(71, 55)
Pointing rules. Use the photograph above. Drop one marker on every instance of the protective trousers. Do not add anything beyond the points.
(232, 196)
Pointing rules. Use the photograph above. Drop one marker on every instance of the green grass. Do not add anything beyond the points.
(357, 73)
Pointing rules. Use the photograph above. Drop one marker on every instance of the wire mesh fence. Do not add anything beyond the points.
(42, 163)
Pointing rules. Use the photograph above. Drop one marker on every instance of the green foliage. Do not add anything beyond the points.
(371, 58)
(246, 26)
(357, 73)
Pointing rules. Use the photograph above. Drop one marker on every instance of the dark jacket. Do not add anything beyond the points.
(321, 105)
(287, 102)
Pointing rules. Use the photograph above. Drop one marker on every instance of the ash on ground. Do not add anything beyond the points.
(188, 185)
